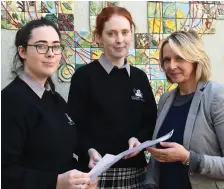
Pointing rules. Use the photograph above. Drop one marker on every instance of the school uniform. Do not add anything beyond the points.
(111, 105)
(38, 136)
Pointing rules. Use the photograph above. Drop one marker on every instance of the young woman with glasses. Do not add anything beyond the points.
(38, 136)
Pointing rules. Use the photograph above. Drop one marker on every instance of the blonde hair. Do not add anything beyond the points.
(189, 46)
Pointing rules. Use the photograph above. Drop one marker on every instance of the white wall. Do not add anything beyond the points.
(214, 43)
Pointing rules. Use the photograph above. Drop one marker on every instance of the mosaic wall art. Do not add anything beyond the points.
(163, 18)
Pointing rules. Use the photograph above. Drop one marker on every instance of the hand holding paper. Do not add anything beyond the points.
(133, 142)
(94, 157)
(108, 160)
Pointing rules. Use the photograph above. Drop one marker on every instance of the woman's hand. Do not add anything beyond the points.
(133, 142)
(173, 152)
(73, 179)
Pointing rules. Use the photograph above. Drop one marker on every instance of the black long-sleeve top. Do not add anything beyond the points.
(109, 106)
(38, 137)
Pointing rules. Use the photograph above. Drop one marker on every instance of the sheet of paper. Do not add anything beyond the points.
(146, 144)
(108, 160)
(105, 163)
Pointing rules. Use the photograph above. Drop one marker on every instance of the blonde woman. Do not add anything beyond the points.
(193, 156)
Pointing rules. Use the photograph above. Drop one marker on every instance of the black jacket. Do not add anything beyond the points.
(38, 139)
(109, 109)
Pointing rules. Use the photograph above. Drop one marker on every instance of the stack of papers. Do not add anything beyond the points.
(108, 160)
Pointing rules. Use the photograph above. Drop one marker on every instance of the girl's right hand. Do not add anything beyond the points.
(93, 185)
(94, 157)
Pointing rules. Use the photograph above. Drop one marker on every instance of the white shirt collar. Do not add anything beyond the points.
(34, 84)
(108, 66)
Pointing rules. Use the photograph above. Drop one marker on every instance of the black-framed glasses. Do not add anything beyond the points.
(43, 49)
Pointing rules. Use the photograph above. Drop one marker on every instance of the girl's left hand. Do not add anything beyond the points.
(133, 142)
(174, 152)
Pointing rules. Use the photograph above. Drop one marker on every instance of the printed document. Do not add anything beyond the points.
(108, 160)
